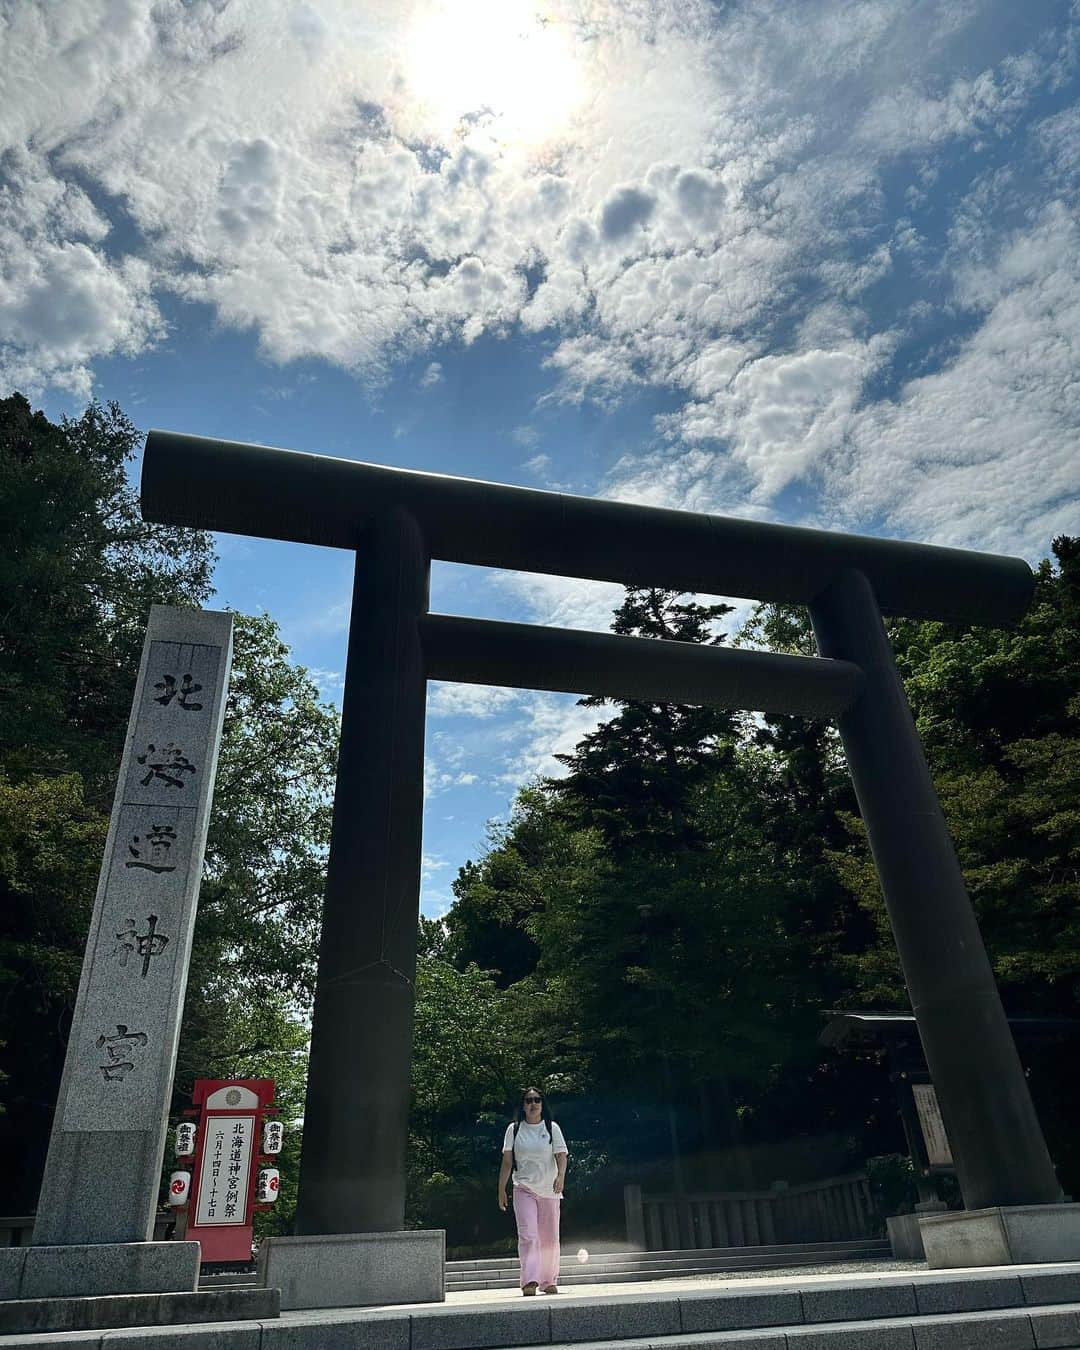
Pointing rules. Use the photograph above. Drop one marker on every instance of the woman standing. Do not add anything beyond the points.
(535, 1150)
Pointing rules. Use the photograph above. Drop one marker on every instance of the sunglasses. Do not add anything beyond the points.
(530, 1100)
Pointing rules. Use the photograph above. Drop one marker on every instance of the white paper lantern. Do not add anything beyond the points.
(179, 1188)
(273, 1135)
(185, 1139)
(269, 1183)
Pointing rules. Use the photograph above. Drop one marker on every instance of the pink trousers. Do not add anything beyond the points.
(538, 1236)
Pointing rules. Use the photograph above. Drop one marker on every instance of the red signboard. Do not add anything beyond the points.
(227, 1159)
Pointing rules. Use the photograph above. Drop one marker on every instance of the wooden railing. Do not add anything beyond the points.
(834, 1210)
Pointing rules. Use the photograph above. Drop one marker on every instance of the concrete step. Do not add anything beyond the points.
(1008, 1308)
(584, 1277)
(229, 1279)
(112, 1311)
(623, 1267)
(598, 1257)
(747, 1257)
(588, 1281)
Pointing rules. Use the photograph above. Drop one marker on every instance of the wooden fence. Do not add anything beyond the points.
(837, 1209)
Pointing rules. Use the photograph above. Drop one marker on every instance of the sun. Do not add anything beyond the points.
(506, 63)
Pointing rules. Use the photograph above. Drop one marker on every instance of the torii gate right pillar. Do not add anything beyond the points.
(1001, 1157)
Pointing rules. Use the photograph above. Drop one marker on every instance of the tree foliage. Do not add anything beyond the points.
(696, 891)
(80, 572)
(999, 713)
(654, 935)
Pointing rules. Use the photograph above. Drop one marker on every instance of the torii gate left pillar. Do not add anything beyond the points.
(352, 1172)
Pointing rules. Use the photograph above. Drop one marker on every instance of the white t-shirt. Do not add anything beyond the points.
(534, 1155)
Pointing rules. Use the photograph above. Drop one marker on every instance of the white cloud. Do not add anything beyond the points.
(525, 436)
(702, 213)
(984, 451)
(780, 414)
(552, 725)
(63, 301)
(430, 864)
(538, 464)
(561, 602)
(330, 683)
(467, 700)
(907, 119)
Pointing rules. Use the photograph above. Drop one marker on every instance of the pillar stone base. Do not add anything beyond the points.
(905, 1239)
(356, 1270)
(85, 1271)
(1002, 1236)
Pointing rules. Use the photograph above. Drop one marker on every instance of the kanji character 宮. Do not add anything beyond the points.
(118, 1067)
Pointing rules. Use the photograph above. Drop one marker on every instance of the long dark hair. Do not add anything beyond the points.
(545, 1114)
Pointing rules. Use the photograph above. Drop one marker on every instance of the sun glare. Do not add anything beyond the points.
(506, 63)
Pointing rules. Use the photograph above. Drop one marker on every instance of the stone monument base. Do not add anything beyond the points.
(84, 1271)
(355, 1270)
(110, 1311)
(1002, 1236)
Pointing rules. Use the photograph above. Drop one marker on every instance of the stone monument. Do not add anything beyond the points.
(102, 1177)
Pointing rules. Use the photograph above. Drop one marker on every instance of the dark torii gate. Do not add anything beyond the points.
(352, 1176)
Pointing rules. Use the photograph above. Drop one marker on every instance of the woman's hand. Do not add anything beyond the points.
(557, 1185)
(502, 1198)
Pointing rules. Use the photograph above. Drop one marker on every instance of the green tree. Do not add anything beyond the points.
(79, 571)
(799, 797)
(79, 578)
(998, 714)
(635, 776)
(495, 897)
(467, 1059)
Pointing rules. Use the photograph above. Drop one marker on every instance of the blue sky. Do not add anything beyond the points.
(800, 260)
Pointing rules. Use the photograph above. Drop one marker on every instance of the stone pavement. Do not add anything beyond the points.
(998, 1308)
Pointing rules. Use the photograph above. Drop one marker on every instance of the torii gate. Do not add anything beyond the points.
(352, 1177)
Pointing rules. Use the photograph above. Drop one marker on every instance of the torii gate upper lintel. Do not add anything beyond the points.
(353, 1166)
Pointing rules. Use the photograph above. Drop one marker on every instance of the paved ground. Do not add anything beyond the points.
(851, 1275)
(698, 1283)
(847, 1273)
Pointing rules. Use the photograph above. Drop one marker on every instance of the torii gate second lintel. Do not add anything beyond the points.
(353, 1165)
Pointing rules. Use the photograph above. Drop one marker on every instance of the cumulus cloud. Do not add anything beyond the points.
(467, 700)
(551, 725)
(984, 450)
(835, 244)
(624, 210)
(691, 208)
